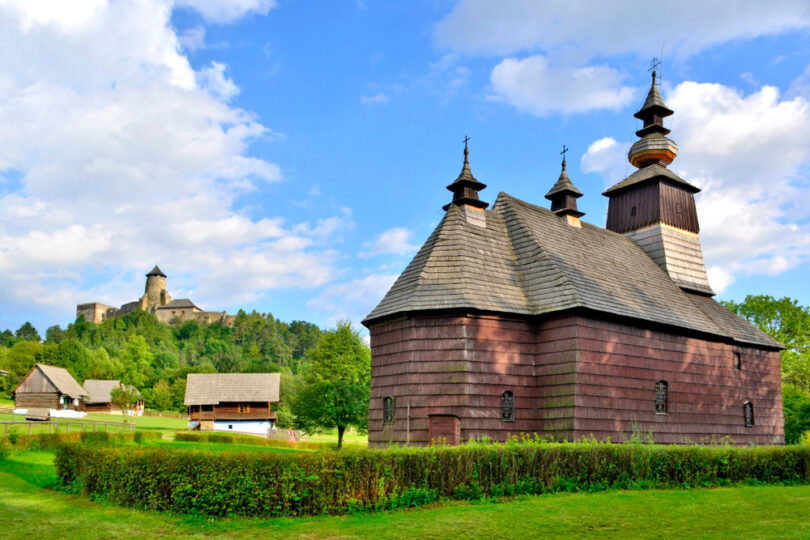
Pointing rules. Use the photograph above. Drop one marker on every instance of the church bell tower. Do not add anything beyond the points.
(655, 207)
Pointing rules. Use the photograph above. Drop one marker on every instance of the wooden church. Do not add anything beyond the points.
(524, 319)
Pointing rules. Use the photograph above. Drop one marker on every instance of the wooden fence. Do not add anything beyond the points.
(54, 427)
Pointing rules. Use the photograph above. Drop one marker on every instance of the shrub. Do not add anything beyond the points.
(49, 441)
(235, 438)
(289, 484)
(5, 449)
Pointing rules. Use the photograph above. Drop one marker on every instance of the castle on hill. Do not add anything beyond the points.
(156, 300)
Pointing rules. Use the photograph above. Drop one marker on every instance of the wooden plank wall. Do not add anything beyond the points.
(461, 365)
(572, 377)
(36, 382)
(619, 365)
(37, 400)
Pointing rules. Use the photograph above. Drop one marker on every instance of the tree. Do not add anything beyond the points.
(335, 393)
(161, 396)
(787, 322)
(797, 413)
(54, 334)
(125, 398)
(28, 332)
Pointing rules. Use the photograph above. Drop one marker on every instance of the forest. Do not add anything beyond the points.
(154, 357)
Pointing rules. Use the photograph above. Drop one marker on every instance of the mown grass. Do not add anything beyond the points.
(27, 510)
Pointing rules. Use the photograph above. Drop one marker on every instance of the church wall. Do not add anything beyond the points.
(618, 368)
(461, 365)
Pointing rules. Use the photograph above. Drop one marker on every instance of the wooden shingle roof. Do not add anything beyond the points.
(529, 261)
(214, 388)
(648, 173)
(59, 377)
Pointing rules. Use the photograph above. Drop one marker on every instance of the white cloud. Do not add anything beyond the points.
(124, 156)
(213, 79)
(532, 85)
(394, 241)
(750, 154)
(375, 99)
(192, 38)
(608, 158)
(354, 299)
(225, 11)
(620, 27)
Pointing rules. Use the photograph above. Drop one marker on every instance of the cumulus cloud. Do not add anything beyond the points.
(225, 11)
(353, 299)
(510, 26)
(394, 241)
(750, 155)
(121, 155)
(532, 85)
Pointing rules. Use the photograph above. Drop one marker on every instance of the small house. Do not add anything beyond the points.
(50, 389)
(100, 397)
(238, 402)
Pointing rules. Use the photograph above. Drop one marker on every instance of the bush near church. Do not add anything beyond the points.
(263, 484)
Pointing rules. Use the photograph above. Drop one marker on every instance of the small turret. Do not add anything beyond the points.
(563, 196)
(155, 293)
(465, 188)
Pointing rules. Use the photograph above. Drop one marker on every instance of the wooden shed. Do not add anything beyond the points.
(51, 388)
(523, 319)
(99, 396)
(239, 402)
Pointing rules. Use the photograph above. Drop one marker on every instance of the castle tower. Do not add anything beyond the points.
(155, 293)
(563, 196)
(654, 206)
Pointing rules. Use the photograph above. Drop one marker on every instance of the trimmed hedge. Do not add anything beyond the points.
(259, 484)
(233, 438)
(49, 441)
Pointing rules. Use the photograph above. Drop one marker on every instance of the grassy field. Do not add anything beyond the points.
(30, 508)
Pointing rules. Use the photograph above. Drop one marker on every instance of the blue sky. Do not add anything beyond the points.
(291, 156)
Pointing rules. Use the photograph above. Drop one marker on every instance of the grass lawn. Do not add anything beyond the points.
(6, 402)
(29, 509)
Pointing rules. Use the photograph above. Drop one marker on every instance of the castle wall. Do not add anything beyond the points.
(94, 312)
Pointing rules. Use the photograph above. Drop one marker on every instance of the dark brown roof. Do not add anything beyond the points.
(213, 388)
(529, 261)
(563, 184)
(178, 303)
(62, 380)
(648, 173)
(156, 272)
(653, 101)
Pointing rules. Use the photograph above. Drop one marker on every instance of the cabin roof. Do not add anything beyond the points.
(529, 261)
(214, 388)
(100, 391)
(63, 381)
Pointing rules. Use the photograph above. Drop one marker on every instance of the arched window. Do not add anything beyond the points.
(388, 410)
(661, 397)
(508, 406)
(737, 361)
(748, 413)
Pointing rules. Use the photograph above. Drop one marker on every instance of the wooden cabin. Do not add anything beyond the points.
(523, 319)
(238, 402)
(99, 396)
(51, 389)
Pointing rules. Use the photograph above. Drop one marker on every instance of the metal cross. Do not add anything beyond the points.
(465, 141)
(655, 63)
(564, 150)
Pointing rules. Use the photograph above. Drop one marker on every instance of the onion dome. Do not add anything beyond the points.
(563, 196)
(465, 188)
(653, 147)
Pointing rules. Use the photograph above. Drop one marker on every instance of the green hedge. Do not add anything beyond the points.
(48, 441)
(234, 438)
(271, 484)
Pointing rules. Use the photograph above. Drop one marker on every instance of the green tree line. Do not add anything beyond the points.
(154, 357)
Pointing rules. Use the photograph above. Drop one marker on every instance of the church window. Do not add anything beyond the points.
(508, 406)
(661, 397)
(748, 413)
(388, 410)
(737, 361)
